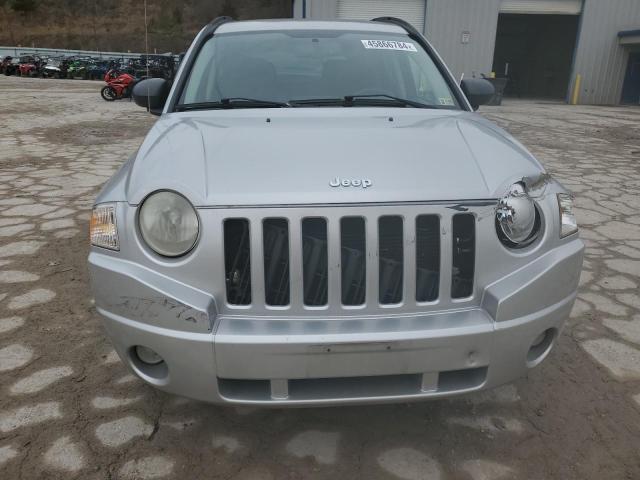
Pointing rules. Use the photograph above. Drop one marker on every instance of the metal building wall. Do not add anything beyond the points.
(316, 9)
(448, 19)
(599, 59)
(445, 22)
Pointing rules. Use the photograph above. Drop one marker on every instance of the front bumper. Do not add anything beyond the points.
(334, 360)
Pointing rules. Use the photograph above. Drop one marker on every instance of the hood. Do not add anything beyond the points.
(297, 156)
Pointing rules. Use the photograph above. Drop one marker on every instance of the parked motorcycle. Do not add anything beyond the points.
(27, 66)
(12, 68)
(40, 64)
(156, 66)
(7, 65)
(96, 69)
(56, 68)
(78, 67)
(119, 85)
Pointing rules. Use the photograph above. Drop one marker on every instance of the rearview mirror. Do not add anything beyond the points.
(478, 91)
(151, 94)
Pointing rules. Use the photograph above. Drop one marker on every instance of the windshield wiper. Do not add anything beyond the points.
(231, 102)
(363, 100)
(320, 102)
(384, 96)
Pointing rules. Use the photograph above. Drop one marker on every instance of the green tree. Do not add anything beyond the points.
(23, 6)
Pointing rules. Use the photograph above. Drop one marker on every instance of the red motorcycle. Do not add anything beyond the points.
(119, 85)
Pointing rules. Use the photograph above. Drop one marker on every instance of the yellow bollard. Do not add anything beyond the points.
(576, 90)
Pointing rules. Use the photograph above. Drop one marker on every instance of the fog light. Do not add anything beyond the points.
(538, 340)
(148, 356)
(540, 347)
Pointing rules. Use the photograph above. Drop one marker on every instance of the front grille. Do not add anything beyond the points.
(276, 261)
(464, 250)
(342, 388)
(237, 261)
(427, 258)
(390, 252)
(315, 262)
(353, 245)
(353, 260)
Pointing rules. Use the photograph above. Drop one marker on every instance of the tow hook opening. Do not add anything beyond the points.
(149, 365)
(540, 347)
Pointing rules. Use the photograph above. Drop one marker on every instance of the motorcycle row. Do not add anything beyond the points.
(120, 74)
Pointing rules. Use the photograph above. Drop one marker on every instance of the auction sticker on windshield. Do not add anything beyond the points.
(389, 45)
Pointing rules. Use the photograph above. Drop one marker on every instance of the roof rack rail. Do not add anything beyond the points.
(398, 21)
(220, 20)
(418, 37)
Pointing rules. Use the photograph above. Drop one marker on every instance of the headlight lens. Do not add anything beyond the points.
(568, 224)
(517, 219)
(103, 229)
(168, 224)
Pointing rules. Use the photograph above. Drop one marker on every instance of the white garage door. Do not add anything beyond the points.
(558, 7)
(410, 10)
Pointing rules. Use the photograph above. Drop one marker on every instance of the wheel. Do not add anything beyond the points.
(108, 93)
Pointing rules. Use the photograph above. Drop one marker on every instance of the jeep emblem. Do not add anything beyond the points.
(354, 182)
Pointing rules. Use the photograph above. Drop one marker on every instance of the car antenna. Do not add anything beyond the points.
(146, 51)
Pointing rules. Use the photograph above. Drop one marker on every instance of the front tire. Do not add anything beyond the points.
(108, 93)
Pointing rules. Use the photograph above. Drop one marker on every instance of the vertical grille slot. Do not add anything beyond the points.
(275, 235)
(463, 255)
(314, 261)
(427, 258)
(353, 257)
(237, 261)
(390, 254)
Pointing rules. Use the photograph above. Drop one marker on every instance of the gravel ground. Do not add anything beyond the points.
(70, 409)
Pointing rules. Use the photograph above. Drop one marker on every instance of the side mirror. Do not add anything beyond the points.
(151, 94)
(478, 91)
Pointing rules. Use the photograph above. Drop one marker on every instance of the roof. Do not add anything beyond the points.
(286, 24)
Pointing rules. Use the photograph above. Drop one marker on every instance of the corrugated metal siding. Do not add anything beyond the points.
(447, 19)
(316, 9)
(600, 60)
(558, 7)
(322, 9)
(410, 10)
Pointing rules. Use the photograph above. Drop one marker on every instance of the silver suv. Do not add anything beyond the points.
(318, 217)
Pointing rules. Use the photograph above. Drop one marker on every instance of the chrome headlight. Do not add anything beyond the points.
(517, 219)
(568, 224)
(168, 224)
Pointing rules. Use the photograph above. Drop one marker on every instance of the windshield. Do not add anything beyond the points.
(285, 66)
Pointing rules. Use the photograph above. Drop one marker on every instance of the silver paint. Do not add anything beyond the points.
(439, 162)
